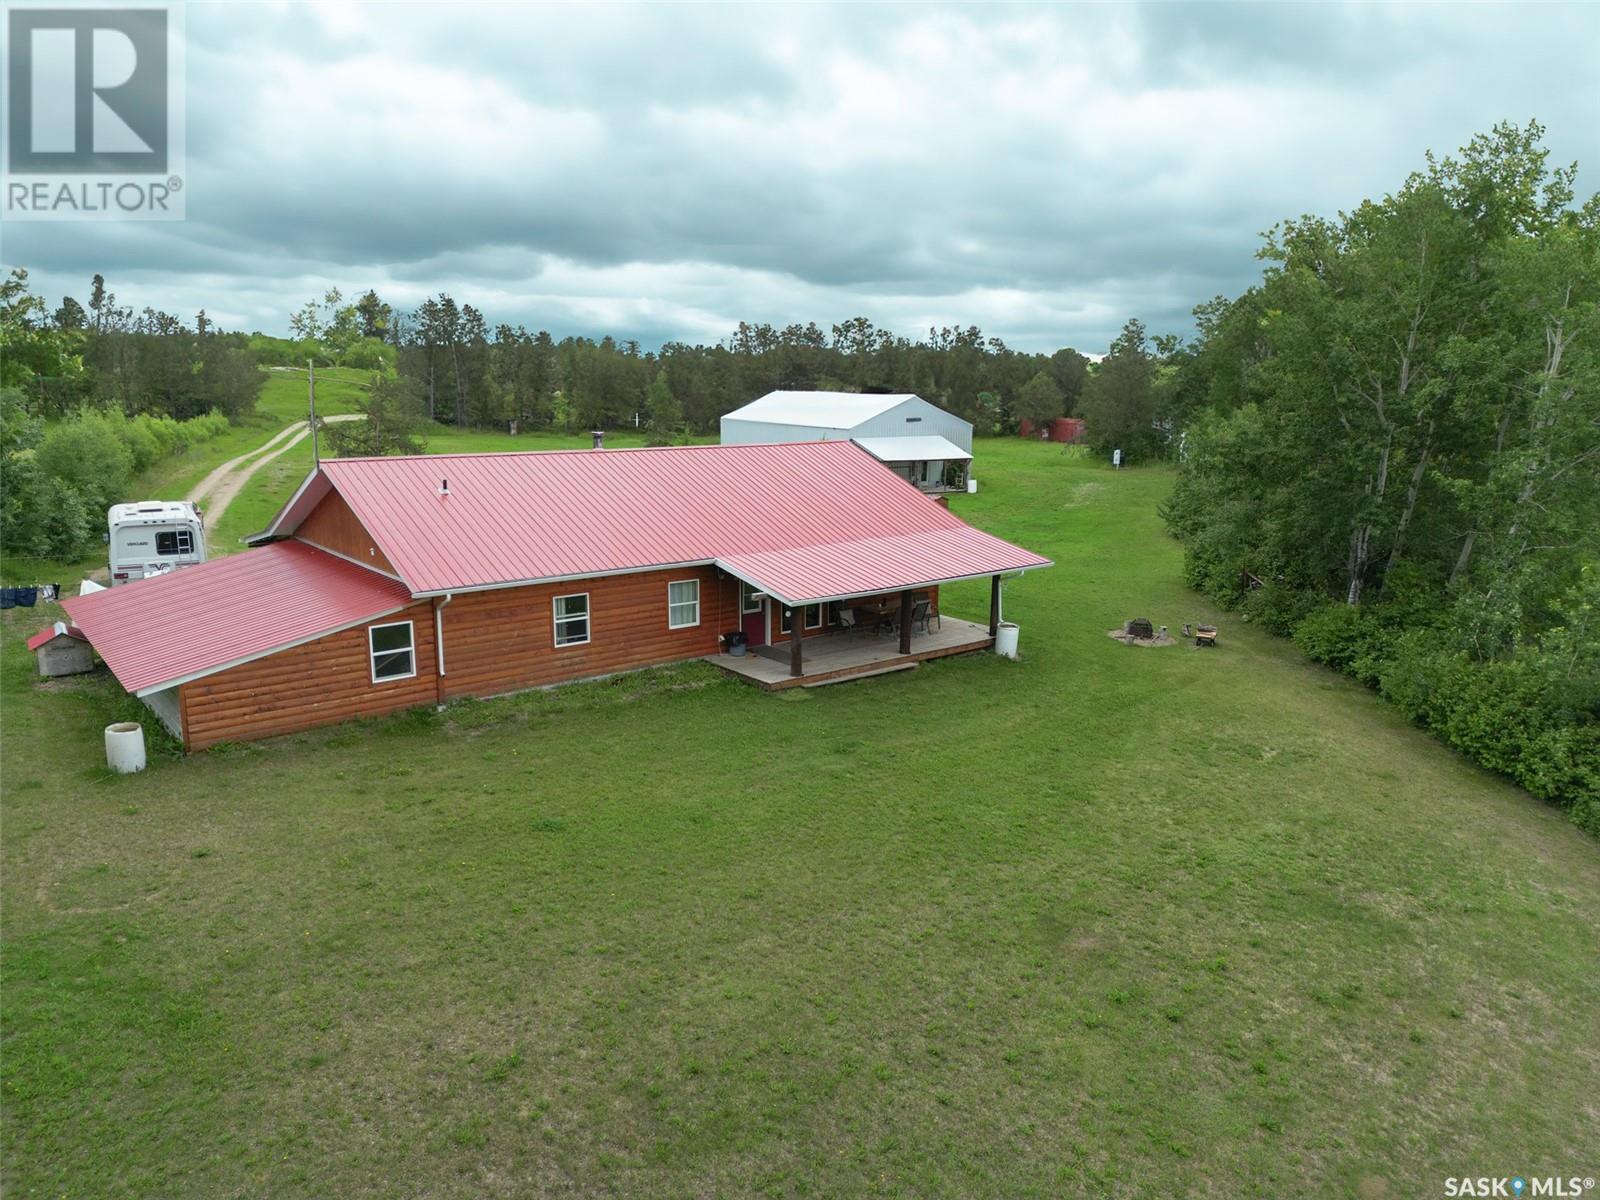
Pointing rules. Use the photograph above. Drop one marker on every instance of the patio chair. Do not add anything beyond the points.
(920, 612)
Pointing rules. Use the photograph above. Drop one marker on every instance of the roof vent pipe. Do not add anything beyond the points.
(444, 488)
(599, 436)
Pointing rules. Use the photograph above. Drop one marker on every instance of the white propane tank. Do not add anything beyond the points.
(972, 487)
(1005, 640)
(125, 747)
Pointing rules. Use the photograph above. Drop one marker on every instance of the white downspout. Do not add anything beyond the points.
(438, 639)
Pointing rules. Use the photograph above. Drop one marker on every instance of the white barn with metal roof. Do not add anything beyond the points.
(917, 440)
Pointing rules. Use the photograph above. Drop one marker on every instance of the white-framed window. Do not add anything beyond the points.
(813, 618)
(392, 649)
(749, 599)
(571, 619)
(683, 603)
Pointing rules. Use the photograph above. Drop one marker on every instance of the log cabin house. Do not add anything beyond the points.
(391, 583)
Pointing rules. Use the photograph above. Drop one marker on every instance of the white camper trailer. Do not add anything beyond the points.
(153, 537)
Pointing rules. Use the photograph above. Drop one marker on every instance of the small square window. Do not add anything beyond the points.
(749, 599)
(683, 604)
(572, 619)
(392, 651)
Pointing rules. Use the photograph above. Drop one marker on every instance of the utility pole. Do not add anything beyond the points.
(311, 400)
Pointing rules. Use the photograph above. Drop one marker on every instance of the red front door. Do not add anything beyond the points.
(752, 616)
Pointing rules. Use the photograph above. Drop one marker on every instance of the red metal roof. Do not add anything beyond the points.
(803, 520)
(884, 564)
(169, 628)
(51, 632)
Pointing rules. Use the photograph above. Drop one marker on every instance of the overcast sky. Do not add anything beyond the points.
(663, 172)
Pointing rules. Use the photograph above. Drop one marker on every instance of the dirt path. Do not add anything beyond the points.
(216, 491)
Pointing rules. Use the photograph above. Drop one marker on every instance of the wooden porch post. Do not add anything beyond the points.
(797, 621)
(994, 605)
(905, 621)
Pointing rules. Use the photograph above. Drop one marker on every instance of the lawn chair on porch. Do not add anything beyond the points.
(921, 613)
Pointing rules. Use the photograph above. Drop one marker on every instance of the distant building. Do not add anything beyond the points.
(1061, 429)
(916, 440)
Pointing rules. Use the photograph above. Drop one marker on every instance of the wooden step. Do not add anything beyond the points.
(852, 676)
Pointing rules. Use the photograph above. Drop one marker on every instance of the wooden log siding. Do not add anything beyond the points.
(318, 683)
(504, 640)
(333, 526)
(494, 642)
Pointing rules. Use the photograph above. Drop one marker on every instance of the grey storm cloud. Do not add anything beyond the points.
(663, 171)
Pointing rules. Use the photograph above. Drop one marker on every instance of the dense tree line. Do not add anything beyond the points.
(104, 355)
(471, 374)
(467, 372)
(1390, 449)
(91, 396)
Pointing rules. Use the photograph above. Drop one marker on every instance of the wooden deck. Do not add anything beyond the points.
(855, 654)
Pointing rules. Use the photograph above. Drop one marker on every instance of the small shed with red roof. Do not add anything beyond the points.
(62, 649)
(389, 583)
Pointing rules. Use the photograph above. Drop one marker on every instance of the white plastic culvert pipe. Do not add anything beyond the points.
(125, 747)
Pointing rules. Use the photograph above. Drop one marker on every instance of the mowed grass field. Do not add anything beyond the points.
(1106, 921)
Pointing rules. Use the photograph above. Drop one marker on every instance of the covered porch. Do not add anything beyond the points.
(859, 648)
(933, 465)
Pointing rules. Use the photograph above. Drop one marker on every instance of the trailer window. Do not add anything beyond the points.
(392, 651)
(174, 541)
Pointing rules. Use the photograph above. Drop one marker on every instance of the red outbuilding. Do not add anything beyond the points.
(1062, 429)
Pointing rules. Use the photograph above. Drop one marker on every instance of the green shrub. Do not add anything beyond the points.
(205, 427)
(369, 354)
(1333, 634)
(1517, 716)
(1278, 608)
(1357, 641)
(87, 454)
(41, 516)
(144, 448)
(1585, 811)
(1419, 668)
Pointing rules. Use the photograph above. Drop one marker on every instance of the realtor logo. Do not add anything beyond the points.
(94, 113)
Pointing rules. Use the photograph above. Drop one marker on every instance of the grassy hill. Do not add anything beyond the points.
(1104, 921)
(282, 403)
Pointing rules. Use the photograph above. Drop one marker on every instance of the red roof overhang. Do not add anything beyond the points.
(50, 632)
(814, 574)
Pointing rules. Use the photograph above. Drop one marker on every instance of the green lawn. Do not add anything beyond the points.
(1105, 922)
